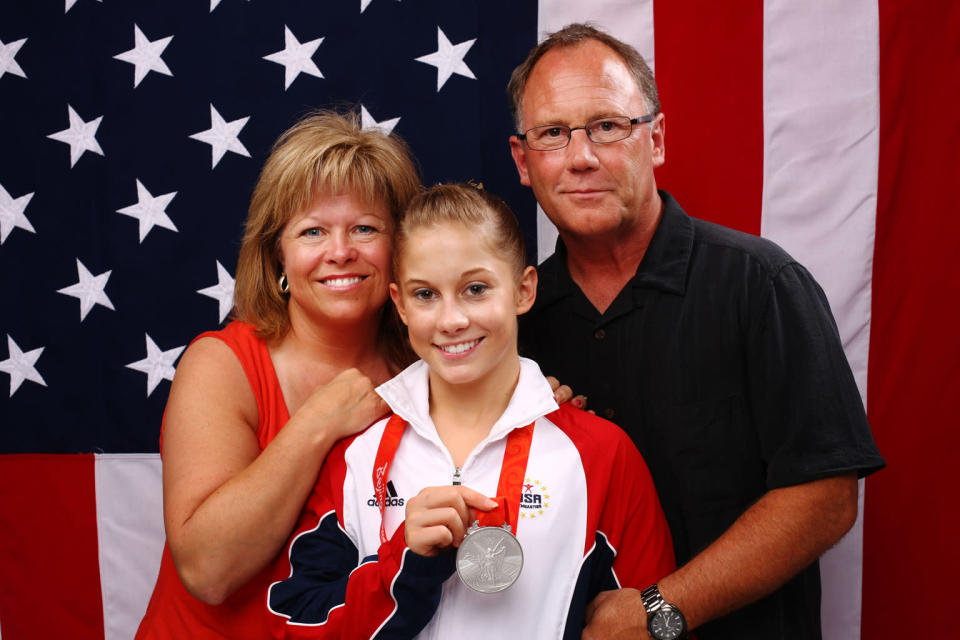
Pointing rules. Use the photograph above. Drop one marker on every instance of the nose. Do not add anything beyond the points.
(452, 318)
(580, 151)
(340, 248)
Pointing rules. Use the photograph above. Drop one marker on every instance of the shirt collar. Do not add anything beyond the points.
(667, 259)
(408, 395)
(664, 265)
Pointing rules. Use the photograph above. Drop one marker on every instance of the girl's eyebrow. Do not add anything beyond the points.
(466, 274)
(475, 271)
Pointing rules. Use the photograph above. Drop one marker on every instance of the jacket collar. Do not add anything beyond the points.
(408, 395)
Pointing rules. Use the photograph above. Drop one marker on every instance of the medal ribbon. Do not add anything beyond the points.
(512, 472)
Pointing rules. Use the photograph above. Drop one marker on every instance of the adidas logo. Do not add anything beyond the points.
(392, 500)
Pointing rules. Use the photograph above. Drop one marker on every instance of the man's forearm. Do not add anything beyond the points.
(783, 532)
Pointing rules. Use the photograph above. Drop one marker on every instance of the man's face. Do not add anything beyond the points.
(589, 189)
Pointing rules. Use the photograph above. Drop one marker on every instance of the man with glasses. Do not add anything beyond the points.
(712, 348)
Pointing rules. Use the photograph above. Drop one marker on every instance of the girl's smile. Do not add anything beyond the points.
(460, 299)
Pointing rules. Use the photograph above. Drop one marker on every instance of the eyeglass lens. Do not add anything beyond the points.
(557, 136)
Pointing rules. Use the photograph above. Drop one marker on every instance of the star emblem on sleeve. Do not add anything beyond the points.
(367, 121)
(448, 59)
(89, 289)
(158, 365)
(8, 63)
(150, 211)
(222, 292)
(296, 57)
(222, 136)
(11, 213)
(145, 56)
(80, 135)
(20, 365)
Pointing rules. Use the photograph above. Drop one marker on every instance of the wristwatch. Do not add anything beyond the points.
(664, 621)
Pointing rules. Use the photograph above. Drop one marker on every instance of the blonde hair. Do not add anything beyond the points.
(324, 152)
(468, 204)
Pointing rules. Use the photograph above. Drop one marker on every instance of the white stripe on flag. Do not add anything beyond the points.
(129, 536)
(629, 20)
(821, 153)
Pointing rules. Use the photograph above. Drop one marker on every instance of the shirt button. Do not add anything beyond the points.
(599, 334)
(608, 413)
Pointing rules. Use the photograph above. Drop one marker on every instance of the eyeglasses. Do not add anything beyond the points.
(602, 130)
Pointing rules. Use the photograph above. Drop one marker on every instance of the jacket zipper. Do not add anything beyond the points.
(456, 476)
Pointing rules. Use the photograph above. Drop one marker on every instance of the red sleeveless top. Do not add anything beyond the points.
(173, 613)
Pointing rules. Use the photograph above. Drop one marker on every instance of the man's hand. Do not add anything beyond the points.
(616, 615)
(562, 393)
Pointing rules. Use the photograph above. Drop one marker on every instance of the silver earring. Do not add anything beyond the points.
(284, 284)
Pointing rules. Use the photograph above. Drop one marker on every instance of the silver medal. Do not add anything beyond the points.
(489, 558)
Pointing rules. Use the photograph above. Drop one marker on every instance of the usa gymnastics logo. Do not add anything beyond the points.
(534, 499)
(391, 499)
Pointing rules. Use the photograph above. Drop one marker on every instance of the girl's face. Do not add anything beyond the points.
(336, 254)
(460, 301)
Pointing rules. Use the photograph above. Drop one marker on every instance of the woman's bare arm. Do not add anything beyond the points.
(228, 507)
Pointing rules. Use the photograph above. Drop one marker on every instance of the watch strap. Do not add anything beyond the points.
(651, 598)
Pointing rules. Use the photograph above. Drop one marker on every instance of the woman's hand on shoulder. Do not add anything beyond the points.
(437, 518)
(345, 405)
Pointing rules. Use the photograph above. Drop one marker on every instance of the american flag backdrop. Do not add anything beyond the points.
(132, 132)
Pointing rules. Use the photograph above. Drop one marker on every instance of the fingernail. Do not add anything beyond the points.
(578, 403)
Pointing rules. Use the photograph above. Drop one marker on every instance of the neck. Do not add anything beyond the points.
(464, 413)
(602, 265)
(321, 351)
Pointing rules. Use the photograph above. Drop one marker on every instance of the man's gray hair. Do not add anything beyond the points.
(571, 35)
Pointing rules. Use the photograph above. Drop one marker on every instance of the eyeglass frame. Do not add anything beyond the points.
(650, 117)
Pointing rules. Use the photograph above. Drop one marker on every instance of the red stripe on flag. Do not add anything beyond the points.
(911, 520)
(709, 68)
(50, 585)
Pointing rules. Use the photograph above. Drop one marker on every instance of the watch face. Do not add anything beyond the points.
(667, 624)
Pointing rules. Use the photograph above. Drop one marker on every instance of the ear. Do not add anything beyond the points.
(658, 134)
(398, 301)
(526, 290)
(519, 152)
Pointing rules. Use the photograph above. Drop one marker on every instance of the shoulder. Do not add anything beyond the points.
(237, 338)
(211, 350)
(591, 434)
(361, 448)
(611, 462)
(716, 245)
(717, 242)
(222, 353)
(211, 372)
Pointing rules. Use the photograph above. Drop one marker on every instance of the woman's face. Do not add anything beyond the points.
(336, 254)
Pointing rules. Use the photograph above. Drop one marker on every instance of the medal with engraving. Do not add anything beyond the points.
(490, 557)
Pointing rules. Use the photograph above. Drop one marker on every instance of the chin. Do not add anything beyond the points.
(350, 315)
(455, 376)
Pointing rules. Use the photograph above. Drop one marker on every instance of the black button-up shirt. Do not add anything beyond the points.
(722, 361)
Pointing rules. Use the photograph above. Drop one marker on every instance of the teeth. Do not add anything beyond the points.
(342, 282)
(460, 348)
